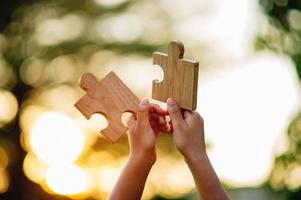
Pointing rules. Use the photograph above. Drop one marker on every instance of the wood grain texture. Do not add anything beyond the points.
(180, 77)
(109, 97)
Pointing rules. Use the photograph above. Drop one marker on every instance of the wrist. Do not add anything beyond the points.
(196, 157)
(145, 158)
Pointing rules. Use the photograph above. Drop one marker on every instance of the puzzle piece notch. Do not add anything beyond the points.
(109, 97)
(180, 77)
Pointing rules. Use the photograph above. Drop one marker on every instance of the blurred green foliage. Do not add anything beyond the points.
(284, 33)
(284, 36)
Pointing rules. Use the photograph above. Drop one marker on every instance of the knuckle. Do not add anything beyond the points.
(198, 117)
(143, 107)
(174, 110)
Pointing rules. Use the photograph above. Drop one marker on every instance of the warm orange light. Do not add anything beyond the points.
(251, 113)
(4, 181)
(3, 158)
(31, 71)
(8, 106)
(68, 180)
(293, 179)
(34, 168)
(107, 178)
(56, 139)
(171, 178)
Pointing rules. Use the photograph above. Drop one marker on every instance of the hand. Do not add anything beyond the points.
(142, 135)
(188, 130)
(157, 119)
(144, 129)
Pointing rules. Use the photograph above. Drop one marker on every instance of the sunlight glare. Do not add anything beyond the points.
(178, 172)
(171, 178)
(107, 178)
(68, 180)
(245, 110)
(34, 168)
(56, 139)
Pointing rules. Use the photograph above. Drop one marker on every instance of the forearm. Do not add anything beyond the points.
(131, 182)
(206, 180)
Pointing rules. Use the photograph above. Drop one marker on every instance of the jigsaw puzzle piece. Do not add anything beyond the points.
(180, 77)
(161, 60)
(115, 127)
(109, 97)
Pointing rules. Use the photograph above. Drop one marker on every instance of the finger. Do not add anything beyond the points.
(153, 120)
(154, 126)
(175, 113)
(156, 108)
(187, 114)
(159, 123)
(131, 121)
(197, 116)
(167, 129)
(154, 115)
(159, 118)
(143, 114)
(163, 126)
(170, 127)
(162, 120)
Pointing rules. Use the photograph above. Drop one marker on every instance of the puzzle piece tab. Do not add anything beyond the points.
(109, 97)
(180, 77)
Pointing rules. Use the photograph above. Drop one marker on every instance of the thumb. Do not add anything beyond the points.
(131, 123)
(174, 112)
(143, 114)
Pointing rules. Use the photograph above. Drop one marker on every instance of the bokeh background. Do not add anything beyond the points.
(249, 94)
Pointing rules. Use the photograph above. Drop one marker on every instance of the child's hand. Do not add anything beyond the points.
(188, 133)
(143, 130)
(142, 135)
(188, 130)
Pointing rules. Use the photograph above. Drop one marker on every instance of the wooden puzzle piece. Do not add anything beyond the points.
(109, 97)
(180, 77)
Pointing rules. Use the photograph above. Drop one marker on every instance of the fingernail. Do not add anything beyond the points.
(170, 102)
(144, 102)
